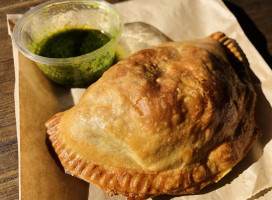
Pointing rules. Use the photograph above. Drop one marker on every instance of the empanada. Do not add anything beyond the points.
(167, 120)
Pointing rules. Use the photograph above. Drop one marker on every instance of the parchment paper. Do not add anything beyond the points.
(37, 99)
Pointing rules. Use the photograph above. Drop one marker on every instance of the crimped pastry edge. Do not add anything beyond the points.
(229, 43)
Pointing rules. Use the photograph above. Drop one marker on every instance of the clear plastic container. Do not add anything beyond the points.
(53, 16)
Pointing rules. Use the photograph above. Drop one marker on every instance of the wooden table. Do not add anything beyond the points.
(255, 17)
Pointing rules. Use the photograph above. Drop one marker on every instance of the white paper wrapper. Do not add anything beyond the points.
(179, 20)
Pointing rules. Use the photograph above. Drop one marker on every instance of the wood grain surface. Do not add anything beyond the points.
(255, 17)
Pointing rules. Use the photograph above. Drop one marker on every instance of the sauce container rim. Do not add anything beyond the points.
(71, 60)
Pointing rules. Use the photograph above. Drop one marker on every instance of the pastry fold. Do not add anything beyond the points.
(166, 120)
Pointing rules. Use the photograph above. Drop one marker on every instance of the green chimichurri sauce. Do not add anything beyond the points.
(72, 43)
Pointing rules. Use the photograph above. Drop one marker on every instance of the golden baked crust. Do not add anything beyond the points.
(167, 120)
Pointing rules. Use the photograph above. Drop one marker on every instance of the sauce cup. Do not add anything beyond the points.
(53, 16)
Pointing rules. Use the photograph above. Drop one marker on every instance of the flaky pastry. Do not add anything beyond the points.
(167, 120)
